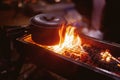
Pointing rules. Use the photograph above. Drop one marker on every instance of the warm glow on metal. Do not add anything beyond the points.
(118, 65)
(57, 0)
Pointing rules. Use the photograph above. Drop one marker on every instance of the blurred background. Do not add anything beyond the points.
(18, 12)
(79, 13)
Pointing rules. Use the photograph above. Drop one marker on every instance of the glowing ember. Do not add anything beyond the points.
(118, 65)
(70, 43)
(106, 56)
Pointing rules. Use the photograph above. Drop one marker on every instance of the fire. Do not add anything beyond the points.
(106, 56)
(71, 46)
(71, 42)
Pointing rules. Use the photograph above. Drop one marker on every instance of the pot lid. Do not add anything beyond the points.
(47, 20)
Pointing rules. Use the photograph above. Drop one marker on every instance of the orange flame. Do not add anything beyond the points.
(71, 42)
(106, 56)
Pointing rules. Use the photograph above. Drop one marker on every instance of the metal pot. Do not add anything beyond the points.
(45, 28)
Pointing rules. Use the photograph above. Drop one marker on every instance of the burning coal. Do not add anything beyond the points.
(71, 46)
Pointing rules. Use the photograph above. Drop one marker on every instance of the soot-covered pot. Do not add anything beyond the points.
(44, 28)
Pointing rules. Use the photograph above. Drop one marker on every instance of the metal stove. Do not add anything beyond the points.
(68, 67)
